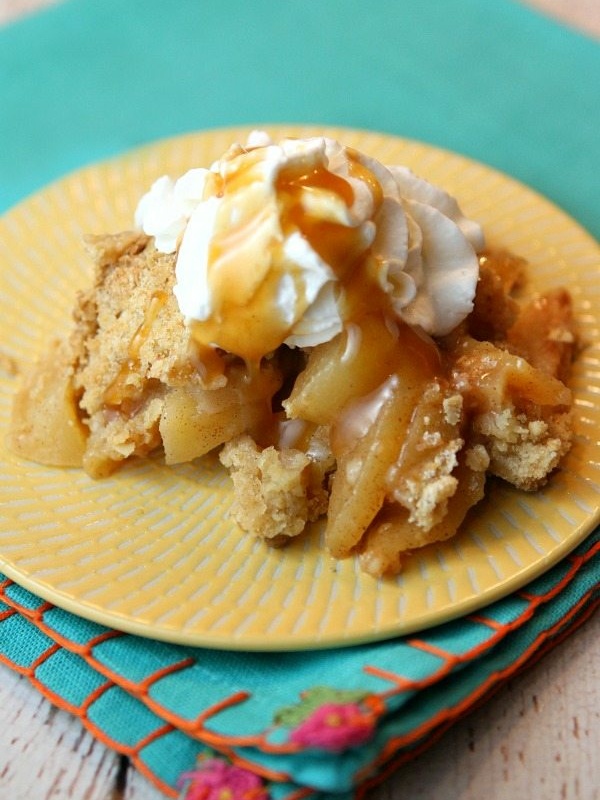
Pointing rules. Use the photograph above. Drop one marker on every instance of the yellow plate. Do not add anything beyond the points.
(152, 550)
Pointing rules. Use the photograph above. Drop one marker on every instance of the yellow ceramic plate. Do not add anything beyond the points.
(152, 550)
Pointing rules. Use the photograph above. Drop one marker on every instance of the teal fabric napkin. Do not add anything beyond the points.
(320, 724)
(88, 79)
(487, 78)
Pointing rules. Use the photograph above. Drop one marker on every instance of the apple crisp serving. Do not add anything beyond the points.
(336, 328)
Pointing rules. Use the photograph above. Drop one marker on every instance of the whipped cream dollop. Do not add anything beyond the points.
(290, 242)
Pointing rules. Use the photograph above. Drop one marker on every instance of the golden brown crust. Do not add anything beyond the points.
(422, 479)
(544, 333)
(45, 425)
(130, 345)
(137, 332)
(495, 308)
(270, 488)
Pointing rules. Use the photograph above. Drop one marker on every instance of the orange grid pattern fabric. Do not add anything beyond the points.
(169, 707)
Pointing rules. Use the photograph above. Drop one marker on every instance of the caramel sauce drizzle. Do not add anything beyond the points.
(120, 391)
(246, 320)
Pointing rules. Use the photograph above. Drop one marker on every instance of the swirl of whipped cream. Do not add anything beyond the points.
(285, 243)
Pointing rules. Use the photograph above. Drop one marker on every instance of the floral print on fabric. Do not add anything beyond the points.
(216, 779)
(335, 727)
(331, 719)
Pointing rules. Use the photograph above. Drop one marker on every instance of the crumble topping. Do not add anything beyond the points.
(415, 450)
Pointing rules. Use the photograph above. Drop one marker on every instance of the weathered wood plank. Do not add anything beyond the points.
(539, 737)
(45, 753)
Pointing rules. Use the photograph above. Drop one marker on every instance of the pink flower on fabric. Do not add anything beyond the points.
(335, 726)
(215, 779)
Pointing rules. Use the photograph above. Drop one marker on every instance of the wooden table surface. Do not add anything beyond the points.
(537, 739)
